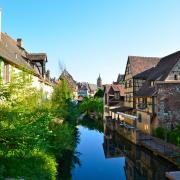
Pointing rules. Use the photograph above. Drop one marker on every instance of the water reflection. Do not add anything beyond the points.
(69, 159)
(94, 165)
(92, 124)
(140, 164)
(106, 155)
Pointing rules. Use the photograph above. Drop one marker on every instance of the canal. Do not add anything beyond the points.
(105, 155)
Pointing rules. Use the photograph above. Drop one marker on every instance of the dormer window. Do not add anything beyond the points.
(175, 77)
(152, 83)
(16, 55)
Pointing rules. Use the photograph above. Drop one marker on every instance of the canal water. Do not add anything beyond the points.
(105, 155)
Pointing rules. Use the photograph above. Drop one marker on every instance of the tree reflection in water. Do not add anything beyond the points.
(92, 124)
(68, 161)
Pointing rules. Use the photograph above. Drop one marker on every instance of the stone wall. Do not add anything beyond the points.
(168, 104)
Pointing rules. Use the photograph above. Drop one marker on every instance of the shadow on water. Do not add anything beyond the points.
(67, 163)
(69, 160)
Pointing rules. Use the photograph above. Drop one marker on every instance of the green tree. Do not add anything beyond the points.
(99, 93)
(61, 97)
(33, 137)
(92, 105)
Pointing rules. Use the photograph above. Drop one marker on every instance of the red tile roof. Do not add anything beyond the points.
(119, 88)
(115, 87)
(139, 64)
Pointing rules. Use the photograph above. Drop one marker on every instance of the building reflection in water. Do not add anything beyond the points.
(140, 164)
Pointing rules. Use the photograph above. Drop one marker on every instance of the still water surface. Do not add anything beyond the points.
(94, 165)
(107, 156)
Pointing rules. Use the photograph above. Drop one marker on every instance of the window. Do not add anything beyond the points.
(152, 83)
(125, 84)
(129, 98)
(144, 100)
(6, 76)
(130, 83)
(139, 118)
(142, 103)
(175, 77)
(116, 95)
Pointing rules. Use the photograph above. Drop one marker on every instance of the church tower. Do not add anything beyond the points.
(99, 82)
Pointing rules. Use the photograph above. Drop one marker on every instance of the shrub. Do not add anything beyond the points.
(160, 132)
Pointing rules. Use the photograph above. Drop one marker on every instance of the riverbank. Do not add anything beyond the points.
(157, 146)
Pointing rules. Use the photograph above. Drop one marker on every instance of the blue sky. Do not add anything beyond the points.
(93, 36)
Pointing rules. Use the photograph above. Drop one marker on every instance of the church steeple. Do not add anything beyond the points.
(99, 82)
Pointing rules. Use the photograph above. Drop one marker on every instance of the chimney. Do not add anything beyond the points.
(19, 42)
(0, 21)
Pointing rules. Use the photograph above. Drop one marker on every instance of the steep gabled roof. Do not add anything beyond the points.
(18, 56)
(117, 88)
(106, 87)
(12, 53)
(120, 78)
(92, 87)
(158, 73)
(145, 74)
(139, 64)
(84, 87)
(165, 65)
(66, 76)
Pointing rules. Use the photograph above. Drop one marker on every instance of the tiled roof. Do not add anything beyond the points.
(165, 65)
(120, 78)
(158, 73)
(106, 87)
(65, 75)
(92, 87)
(118, 88)
(144, 75)
(12, 53)
(37, 56)
(139, 64)
(84, 87)
(18, 56)
(146, 91)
